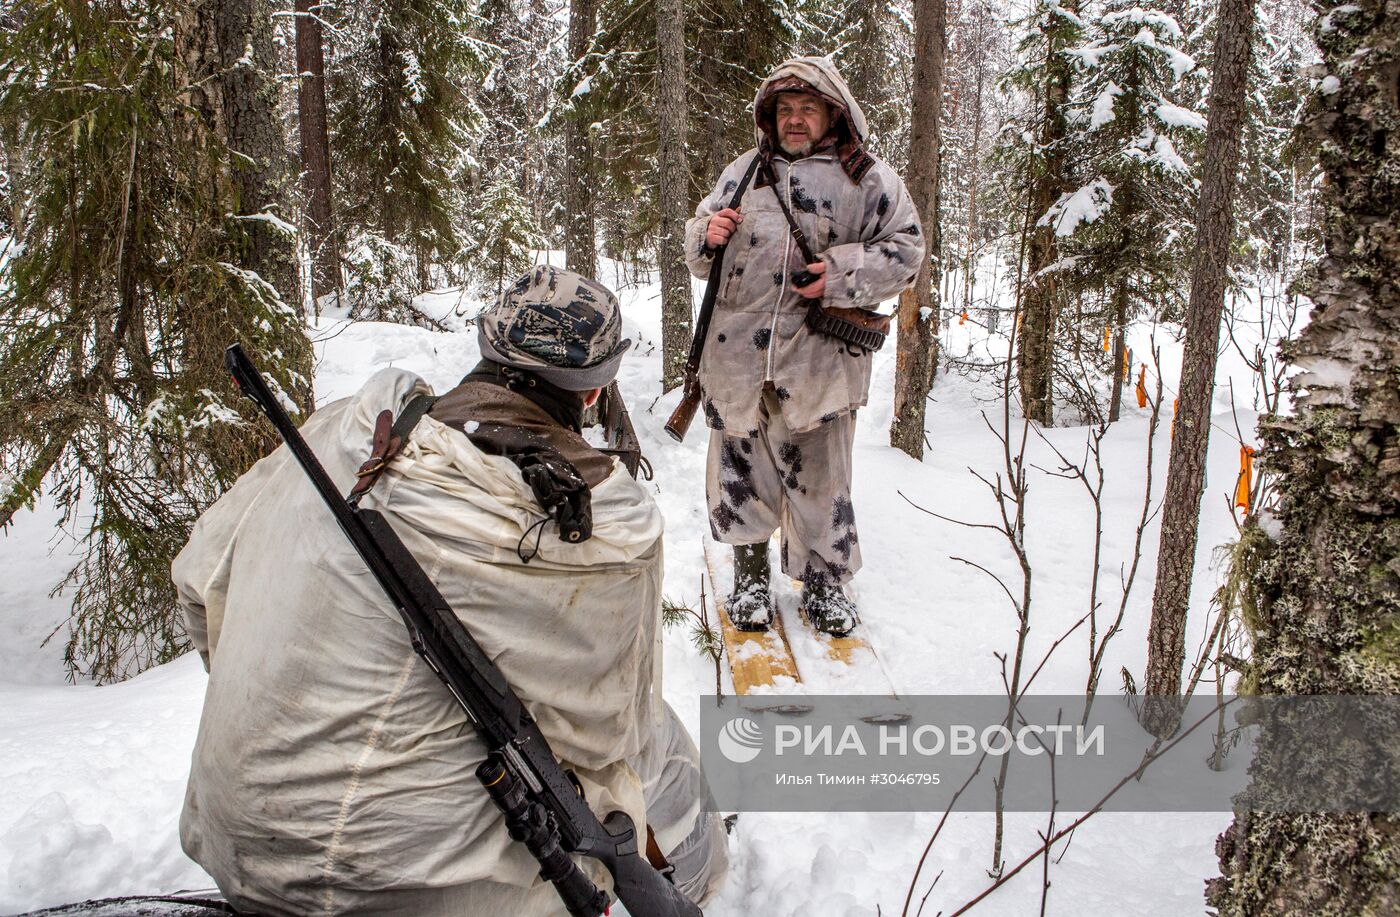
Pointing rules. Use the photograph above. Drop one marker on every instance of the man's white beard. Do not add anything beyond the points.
(802, 149)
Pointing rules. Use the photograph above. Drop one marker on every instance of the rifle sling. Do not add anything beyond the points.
(797, 234)
(388, 440)
(859, 328)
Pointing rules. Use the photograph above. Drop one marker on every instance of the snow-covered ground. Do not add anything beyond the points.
(93, 777)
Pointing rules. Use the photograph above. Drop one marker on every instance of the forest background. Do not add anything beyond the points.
(176, 176)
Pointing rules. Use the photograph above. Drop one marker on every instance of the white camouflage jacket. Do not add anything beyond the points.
(868, 233)
(333, 773)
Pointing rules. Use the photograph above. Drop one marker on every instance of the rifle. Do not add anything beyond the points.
(543, 804)
(690, 399)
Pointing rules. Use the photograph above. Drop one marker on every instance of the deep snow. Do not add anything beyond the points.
(94, 777)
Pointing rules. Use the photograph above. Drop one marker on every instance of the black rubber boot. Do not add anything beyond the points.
(751, 602)
(828, 607)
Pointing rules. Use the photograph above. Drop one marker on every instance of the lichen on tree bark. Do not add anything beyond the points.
(1327, 587)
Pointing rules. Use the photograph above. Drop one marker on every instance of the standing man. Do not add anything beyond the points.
(333, 773)
(779, 396)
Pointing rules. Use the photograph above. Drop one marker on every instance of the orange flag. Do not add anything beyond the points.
(1142, 386)
(1244, 486)
(1105, 340)
(962, 320)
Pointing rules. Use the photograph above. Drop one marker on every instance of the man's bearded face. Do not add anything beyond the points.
(802, 121)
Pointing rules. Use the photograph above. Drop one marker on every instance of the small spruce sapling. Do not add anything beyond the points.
(704, 635)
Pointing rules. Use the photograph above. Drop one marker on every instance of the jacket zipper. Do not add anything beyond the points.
(782, 290)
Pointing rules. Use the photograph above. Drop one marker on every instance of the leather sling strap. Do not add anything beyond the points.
(390, 433)
(797, 234)
(655, 857)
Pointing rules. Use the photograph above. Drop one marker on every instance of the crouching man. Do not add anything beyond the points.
(333, 773)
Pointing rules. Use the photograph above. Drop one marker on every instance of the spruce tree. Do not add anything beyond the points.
(401, 119)
(1034, 152)
(1269, 216)
(521, 119)
(975, 51)
(580, 227)
(501, 236)
(730, 46)
(136, 269)
(872, 44)
(517, 188)
(874, 57)
(1128, 226)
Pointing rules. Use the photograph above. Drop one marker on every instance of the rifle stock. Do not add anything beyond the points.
(684, 413)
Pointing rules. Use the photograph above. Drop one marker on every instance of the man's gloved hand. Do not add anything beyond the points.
(816, 288)
(721, 227)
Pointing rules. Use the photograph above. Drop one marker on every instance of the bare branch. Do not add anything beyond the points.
(994, 577)
(970, 525)
(1147, 761)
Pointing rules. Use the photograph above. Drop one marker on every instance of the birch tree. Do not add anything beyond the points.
(1322, 566)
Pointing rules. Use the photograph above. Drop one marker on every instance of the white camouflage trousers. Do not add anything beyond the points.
(800, 482)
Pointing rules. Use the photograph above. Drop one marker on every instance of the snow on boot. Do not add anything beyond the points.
(828, 607)
(751, 602)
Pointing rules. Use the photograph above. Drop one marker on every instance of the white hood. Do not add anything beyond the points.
(821, 74)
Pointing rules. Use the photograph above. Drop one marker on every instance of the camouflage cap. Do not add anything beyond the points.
(559, 325)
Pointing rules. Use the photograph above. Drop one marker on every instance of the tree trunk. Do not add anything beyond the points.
(1326, 583)
(1120, 349)
(917, 358)
(386, 76)
(714, 145)
(1035, 357)
(226, 46)
(251, 128)
(673, 192)
(1181, 507)
(580, 233)
(315, 152)
(969, 267)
